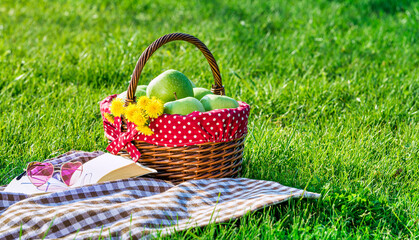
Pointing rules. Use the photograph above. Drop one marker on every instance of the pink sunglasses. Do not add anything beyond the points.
(39, 173)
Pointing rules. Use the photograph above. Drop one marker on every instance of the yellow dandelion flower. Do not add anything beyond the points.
(145, 130)
(140, 119)
(131, 112)
(154, 108)
(117, 107)
(135, 114)
(143, 101)
(109, 118)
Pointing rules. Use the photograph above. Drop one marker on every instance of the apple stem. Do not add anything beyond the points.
(175, 95)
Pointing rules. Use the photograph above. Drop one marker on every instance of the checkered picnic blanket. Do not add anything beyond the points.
(134, 208)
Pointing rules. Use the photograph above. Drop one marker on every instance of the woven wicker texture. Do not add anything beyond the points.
(179, 164)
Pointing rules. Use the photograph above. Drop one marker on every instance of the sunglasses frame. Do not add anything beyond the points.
(55, 169)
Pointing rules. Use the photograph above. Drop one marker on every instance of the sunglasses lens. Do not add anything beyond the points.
(39, 173)
(71, 172)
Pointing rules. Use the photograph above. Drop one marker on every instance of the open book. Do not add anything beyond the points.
(106, 167)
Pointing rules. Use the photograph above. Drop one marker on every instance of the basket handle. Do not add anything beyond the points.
(217, 88)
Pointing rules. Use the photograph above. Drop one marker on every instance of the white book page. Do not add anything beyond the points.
(24, 185)
(96, 168)
(93, 171)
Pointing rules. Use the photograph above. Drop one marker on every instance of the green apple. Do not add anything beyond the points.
(183, 106)
(138, 94)
(167, 84)
(211, 102)
(200, 92)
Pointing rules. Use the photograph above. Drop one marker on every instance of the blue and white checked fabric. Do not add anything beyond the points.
(136, 207)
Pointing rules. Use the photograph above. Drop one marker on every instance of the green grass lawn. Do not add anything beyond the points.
(333, 85)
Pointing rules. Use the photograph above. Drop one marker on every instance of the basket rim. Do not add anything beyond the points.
(219, 125)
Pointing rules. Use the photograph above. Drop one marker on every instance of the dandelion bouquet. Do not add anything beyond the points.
(139, 113)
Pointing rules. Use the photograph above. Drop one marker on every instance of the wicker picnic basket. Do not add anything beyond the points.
(181, 163)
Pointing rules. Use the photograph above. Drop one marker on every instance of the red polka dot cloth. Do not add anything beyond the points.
(172, 130)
